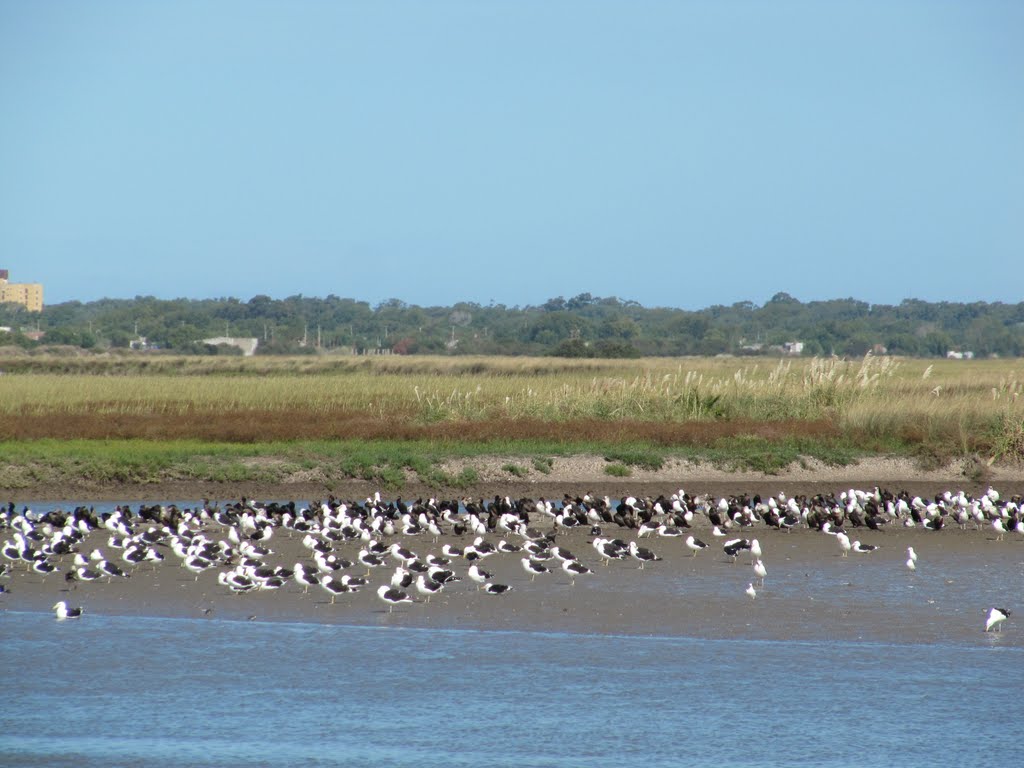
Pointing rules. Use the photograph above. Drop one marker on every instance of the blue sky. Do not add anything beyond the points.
(677, 154)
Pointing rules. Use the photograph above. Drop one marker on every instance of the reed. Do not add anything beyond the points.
(873, 404)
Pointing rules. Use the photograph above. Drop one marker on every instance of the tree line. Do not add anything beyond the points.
(581, 326)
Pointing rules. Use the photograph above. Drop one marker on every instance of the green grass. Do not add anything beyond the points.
(771, 456)
(618, 470)
(438, 478)
(391, 464)
(543, 465)
(641, 457)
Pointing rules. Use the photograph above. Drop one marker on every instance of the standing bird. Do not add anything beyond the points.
(995, 617)
(844, 543)
(479, 575)
(428, 588)
(609, 550)
(533, 568)
(695, 544)
(370, 560)
(334, 588)
(575, 568)
(751, 591)
(755, 551)
(392, 596)
(306, 578)
(642, 554)
(401, 579)
(733, 547)
(760, 570)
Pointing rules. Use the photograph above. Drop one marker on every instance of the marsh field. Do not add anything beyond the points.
(97, 421)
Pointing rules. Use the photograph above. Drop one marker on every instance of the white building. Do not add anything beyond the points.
(247, 345)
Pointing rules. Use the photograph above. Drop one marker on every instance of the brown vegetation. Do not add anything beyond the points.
(293, 424)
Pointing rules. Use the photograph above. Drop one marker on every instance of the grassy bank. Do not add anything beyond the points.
(388, 463)
(139, 418)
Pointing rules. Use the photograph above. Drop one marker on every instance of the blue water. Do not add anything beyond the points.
(112, 691)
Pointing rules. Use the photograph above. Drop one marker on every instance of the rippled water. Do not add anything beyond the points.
(110, 691)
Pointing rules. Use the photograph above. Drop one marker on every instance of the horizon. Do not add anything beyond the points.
(678, 154)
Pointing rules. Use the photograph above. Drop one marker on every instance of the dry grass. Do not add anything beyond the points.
(295, 424)
(958, 407)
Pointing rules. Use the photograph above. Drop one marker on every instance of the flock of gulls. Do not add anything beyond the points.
(345, 543)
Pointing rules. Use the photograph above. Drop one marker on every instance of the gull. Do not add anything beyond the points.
(392, 596)
(497, 589)
(63, 612)
(533, 568)
(755, 550)
(695, 544)
(428, 588)
(334, 588)
(760, 570)
(642, 554)
(995, 617)
(575, 568)
(844, 543)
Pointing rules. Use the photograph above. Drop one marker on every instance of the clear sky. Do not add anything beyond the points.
(680, 153)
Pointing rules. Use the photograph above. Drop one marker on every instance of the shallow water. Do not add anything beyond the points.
(110, 691)
(889, 668)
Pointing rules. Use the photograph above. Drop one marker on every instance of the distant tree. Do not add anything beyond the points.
(572, 348)
(611, 348)
(404, 346)
(845, 326)
(619, 328)
(579, 302)
(119, 339)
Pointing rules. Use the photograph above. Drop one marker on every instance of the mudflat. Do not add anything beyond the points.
(810, 591)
